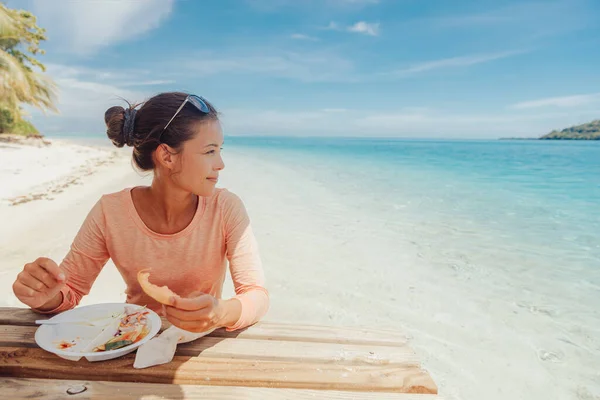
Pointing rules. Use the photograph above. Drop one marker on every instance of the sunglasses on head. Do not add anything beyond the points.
(194, 100)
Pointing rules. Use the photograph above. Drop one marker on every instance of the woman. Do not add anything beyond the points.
(181, 227)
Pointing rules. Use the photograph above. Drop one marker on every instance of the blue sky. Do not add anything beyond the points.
(406, 68)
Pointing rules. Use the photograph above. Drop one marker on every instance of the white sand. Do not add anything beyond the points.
(28, 171)
(326, 263)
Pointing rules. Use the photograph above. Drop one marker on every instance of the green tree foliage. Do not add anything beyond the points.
(22, 79)
(589, 131)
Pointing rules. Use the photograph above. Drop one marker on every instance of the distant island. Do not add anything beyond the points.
(589, 131)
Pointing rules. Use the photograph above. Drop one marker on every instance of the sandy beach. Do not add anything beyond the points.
(45, 209)
(325, 263)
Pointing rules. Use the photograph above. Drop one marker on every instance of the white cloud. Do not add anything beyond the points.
(453, 62)
(366, 28)
(562, 102)
(300, 36)
(86, 26)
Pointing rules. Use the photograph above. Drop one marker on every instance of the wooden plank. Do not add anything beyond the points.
(19, 316)
(325, 334)
(53, 389)
(263, 330)
(348, 354)
(37, 363)
(17, 336)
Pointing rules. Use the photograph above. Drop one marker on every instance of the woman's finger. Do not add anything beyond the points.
(32, 282)
(190, 326)
(52, 268)
(43, 276)
(22, 291)
(183, 315)
(193, 303)
(29, 296)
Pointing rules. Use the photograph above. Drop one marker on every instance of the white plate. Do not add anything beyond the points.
(48, 337)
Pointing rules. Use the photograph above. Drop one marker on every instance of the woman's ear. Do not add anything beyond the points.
(165, 156)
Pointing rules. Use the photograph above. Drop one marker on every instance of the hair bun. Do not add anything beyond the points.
(114, 119)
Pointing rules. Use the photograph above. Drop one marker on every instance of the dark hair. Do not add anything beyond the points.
(149, 122)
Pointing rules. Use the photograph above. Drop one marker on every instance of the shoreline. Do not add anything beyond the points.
(34, 140)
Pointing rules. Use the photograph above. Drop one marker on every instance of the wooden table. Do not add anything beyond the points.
(266, 360)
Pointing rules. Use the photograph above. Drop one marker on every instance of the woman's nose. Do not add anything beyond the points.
(220, 164)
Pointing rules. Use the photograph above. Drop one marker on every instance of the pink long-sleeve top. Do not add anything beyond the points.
(194, 259)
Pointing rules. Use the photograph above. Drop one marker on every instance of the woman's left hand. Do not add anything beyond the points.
(200, 313)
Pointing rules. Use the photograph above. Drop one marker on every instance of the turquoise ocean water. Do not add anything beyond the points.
(536, 198)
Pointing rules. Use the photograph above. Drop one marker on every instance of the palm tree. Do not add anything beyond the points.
(19, 82)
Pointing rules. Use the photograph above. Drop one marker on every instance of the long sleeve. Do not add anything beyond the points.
(84, 261)
(245, 263)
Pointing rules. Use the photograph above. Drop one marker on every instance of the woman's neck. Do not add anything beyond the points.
(165, 210)
(171, 203)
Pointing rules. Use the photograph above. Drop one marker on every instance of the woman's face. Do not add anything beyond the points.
(200, 160)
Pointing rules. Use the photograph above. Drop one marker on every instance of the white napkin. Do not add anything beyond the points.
(161, 349)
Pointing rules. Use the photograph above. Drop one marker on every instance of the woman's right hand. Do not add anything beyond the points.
(39, 284)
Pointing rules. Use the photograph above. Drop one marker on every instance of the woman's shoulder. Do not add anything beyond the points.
(108, 206)
(230, 208)
(226, 199)
(114, 201)
(118, 196)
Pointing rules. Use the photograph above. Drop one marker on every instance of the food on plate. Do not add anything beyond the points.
(66, 345)
(162, 294)
(125, 328)
(132, 328)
